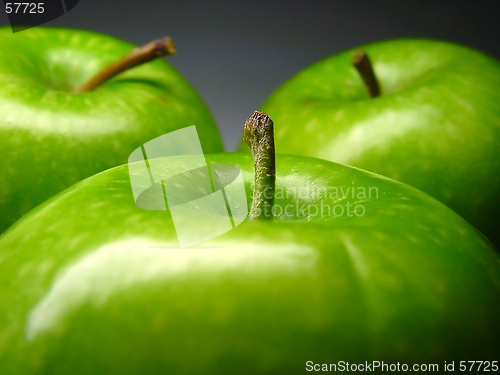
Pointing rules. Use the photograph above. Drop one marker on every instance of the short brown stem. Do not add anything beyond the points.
(365, 69)
(138, 56)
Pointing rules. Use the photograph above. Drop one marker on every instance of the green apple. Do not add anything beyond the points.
(51, 136)
(436, 125)
(354, 267)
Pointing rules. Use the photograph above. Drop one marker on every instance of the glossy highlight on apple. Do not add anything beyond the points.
(205, 200)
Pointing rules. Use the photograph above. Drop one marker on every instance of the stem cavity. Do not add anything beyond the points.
(139, 56)
(365, 69)
(259, 135)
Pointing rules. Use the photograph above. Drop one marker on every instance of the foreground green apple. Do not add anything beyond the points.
(436, 125)
(354, 267)
(51, 137)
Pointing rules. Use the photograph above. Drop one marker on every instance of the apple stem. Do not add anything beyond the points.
(259, 135)
(365, 69)
(140, 55)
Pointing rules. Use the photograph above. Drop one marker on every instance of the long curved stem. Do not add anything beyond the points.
(138, 56)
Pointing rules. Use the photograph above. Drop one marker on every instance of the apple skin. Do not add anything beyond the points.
(436, 125)
(91, 284)
(51, 137)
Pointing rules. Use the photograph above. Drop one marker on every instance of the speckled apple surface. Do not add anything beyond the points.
(91, 284)
(51, 137)
(436, 125)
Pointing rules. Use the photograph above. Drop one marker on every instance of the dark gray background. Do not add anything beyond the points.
(236, 53)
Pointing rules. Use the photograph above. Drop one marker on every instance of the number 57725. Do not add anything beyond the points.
(24, 8)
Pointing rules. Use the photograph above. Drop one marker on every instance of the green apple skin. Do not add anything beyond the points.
(436, 125)
(51, 138)
(91, 284)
